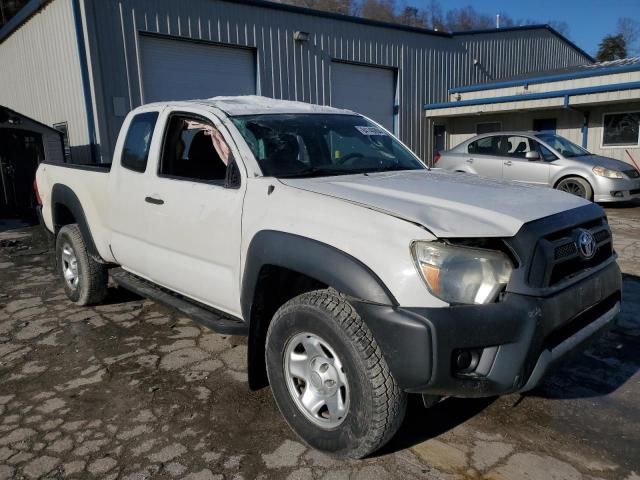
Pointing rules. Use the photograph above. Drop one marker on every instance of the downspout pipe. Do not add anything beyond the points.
(86, 88)
(585, 129)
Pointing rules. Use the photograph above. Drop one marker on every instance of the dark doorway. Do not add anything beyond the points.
(544, 125)
(20, 153)
(439, 138)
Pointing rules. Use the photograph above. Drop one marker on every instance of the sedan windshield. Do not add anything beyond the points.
(563, 146)
(308, 145)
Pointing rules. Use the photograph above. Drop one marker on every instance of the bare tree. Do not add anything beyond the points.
(629, 28)
(345, 7)
(383, 10)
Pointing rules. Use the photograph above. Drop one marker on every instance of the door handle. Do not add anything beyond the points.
(469, 160)
(508, 163)
(154, 201)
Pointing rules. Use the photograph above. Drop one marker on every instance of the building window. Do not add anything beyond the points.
(621, 129)
(63, 128)
(488, 127)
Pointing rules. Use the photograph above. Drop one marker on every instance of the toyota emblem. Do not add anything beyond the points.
(586, 244)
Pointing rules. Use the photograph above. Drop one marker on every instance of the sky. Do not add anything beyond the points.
(588, 20)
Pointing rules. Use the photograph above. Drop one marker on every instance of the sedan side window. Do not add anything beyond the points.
(518, 146)
(194, 150)
(485, 146)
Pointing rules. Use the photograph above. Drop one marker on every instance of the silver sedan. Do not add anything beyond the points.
(544, 159)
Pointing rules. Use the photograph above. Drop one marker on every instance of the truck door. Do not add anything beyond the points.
(129, 179)
(194, 215)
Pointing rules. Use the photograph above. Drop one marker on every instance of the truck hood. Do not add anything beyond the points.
(448, 204)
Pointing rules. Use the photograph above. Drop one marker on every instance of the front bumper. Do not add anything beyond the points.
(615, 189)
(517, 339)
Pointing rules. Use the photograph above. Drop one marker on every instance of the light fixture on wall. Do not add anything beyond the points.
(300, 36)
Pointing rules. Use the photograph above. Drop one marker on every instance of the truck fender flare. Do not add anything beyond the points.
(63, 195)
(323, 262)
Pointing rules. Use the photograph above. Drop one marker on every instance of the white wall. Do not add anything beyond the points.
(40, 73)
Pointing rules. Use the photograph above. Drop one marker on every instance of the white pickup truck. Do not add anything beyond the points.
(359, 275)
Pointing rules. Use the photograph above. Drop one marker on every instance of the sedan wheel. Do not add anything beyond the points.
(576, 186)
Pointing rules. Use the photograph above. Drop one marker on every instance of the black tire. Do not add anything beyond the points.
(376, 405)
(576, 186)
(92, 276)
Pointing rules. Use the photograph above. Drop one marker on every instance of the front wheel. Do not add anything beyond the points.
(576, 186)
(85, 279)
(329, 378)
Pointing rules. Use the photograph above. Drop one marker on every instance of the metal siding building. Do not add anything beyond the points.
(110, 61)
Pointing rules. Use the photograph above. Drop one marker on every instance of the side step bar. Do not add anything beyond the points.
(204, 315)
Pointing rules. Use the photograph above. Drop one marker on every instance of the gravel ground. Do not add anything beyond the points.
(131, 390)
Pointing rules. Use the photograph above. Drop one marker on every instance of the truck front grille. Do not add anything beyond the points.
(557, 257)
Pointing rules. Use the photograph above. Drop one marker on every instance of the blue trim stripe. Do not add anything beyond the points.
(592, 72)
(536, 96)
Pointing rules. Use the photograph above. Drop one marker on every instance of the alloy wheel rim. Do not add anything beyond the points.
(574, 188)
(70, 266)
(316, 380)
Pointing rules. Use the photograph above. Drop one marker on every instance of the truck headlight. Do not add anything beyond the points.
(605, 172)
(462, 274)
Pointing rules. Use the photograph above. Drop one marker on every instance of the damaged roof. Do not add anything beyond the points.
(257, 105)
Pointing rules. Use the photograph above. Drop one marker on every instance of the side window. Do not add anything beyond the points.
(485, 146)
(518, 146)
(137, 142)
(194, 150)
(546, 154)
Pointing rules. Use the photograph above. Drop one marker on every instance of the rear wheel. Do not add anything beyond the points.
(576, 186)
(329, 378)
(85, 279)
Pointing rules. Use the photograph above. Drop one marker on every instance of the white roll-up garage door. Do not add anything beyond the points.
(370, 91)
(182, 70)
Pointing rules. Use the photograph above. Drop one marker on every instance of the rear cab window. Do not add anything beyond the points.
(135, 151)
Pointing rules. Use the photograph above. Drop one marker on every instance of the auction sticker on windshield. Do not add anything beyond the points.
(370, 130)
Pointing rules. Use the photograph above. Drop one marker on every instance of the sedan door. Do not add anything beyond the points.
(483, 159)
(522, 161)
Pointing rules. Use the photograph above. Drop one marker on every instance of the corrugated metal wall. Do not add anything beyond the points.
(40, 73)
(427, 64)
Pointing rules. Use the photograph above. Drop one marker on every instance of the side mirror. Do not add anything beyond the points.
(532, 156)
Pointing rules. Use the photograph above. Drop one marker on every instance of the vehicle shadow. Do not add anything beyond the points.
(621, 205)
(608, 363)
(119, 295)
(421, 424)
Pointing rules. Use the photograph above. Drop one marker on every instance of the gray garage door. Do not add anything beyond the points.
(367, 90)
(182, 70)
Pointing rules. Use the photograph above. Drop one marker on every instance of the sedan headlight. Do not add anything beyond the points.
(605, 172)
(462, 274)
